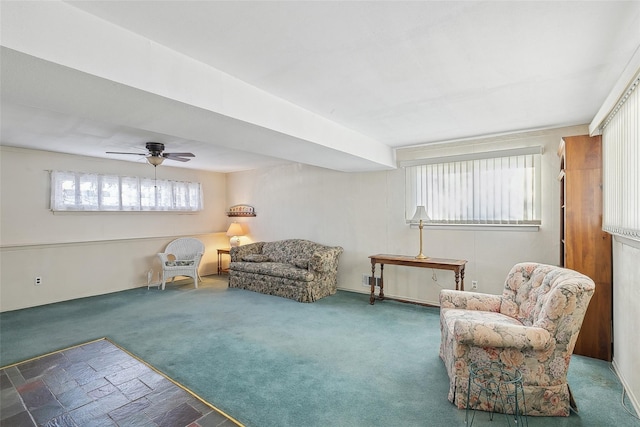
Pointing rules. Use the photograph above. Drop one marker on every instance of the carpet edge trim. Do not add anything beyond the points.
(220, 411)
(54, 352)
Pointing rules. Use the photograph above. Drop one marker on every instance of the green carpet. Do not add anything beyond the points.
(270, 361)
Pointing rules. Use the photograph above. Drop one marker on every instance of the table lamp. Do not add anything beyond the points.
(235, 231)
(420, 215)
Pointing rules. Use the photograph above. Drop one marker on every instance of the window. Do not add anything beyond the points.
(493, 188)
(76, 191)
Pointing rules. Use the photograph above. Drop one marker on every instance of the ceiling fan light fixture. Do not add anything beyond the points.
(155, 160)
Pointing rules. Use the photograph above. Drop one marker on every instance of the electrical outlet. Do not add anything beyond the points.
(38, 281)
(474, 284)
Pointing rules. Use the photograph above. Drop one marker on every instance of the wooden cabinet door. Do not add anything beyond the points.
(587, 249)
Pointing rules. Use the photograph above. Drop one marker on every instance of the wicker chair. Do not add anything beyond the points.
(181, 258)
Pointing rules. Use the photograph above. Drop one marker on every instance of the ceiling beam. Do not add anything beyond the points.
(114, 62)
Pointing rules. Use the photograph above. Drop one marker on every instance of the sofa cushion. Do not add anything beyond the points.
(275, 269)
(179, 263)
(286, 251)
(256, 258)
(301, 262)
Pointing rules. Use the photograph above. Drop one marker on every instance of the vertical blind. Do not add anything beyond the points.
(500, 187)
(621, 166)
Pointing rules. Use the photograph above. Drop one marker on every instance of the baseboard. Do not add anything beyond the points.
(627, 389)
(392, 297)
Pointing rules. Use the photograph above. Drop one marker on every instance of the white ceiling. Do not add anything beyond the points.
(337, 84)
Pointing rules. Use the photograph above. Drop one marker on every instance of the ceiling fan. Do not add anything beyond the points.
(157, 155)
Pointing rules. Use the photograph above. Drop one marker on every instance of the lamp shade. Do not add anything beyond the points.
(155, 160)
(235, 229)
(421, 214)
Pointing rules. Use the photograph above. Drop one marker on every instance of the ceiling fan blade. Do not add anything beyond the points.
(155, 154)
(178, 154)
(121, 152)
(180, 159)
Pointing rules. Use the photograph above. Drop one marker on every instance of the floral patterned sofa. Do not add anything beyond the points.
(297, 269)
(533, 327)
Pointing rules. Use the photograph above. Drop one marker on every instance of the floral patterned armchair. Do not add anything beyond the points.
(533, 327)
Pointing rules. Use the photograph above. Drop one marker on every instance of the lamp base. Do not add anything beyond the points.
(421, 255)
(234, 241)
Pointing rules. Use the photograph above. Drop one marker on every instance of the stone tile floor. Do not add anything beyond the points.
(98, 384)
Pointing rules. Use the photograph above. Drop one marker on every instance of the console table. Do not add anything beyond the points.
(455, 265)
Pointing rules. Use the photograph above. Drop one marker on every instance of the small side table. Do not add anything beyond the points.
(222, 251)
(492, 385)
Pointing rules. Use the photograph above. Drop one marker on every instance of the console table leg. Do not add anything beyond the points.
(372, 283)
(381, 293)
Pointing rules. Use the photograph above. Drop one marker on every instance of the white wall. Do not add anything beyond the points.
(364, 213)
(626, 315)
(80, 254)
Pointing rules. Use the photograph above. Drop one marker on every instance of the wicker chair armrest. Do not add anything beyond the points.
(164, 257)
(198, 257)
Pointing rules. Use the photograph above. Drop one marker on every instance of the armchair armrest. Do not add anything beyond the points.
(492, 334)
(470, 300)
(237, 252)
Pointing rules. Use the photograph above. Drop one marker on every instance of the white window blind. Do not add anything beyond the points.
(621, 165)
(77, 191)
(499, 188)
(130, 194)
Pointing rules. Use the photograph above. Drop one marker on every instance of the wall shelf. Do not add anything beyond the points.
(241, 211)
